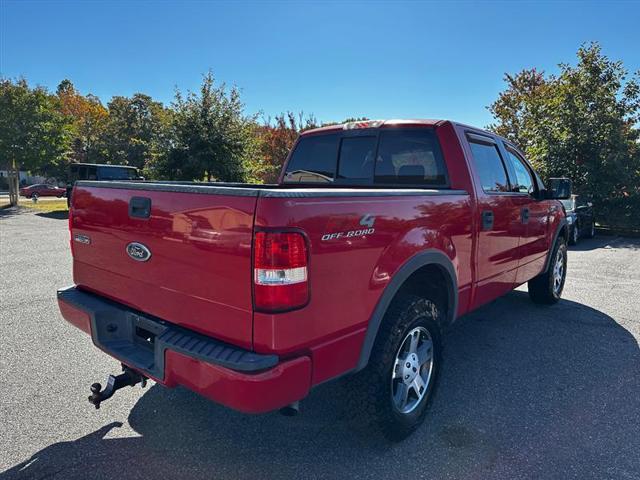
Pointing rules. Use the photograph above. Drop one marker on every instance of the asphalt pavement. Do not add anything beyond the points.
(526, 391)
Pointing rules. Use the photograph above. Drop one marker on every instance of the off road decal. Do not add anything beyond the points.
(366, 221)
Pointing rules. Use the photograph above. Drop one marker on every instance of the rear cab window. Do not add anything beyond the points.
(313, 160)
(410, 157)
(356, 159)
(385, 157)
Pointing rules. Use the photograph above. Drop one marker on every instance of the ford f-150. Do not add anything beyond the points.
(378, 235)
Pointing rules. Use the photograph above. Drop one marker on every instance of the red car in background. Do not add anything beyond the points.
(42, 190)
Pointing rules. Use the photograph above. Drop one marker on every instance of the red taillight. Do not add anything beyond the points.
(280, 279)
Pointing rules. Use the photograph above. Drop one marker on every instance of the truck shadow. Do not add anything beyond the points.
(606, 242)
(56, 214)
(526, 391)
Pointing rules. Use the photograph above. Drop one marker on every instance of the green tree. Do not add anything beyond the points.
(137, 131)
(211, 135)
(581, 123)
(33, 132)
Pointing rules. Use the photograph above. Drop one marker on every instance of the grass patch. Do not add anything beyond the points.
(46, 206)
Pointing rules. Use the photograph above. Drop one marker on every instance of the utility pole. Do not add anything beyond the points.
(14, 182)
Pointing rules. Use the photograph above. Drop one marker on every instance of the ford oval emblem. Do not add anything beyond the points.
(138, 252)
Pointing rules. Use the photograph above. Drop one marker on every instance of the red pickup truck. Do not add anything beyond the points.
(377, 237)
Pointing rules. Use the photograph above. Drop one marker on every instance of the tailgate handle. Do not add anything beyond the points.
(140, 207)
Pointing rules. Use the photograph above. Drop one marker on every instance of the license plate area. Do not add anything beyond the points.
(132, 338)
(145, 331)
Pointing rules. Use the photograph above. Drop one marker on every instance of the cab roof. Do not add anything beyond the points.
(108, 165)
(374, 124)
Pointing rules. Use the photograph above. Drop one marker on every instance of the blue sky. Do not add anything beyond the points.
(332, 59)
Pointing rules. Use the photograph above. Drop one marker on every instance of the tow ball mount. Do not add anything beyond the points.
(128, 378)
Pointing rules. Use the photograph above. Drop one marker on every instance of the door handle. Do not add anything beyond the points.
(487, 220)
(524, 215)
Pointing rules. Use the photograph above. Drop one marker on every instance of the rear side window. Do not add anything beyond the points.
(73, 173)
(117, 173)
(493, 175)
(356, 158)
(409, 157)
(313, 160)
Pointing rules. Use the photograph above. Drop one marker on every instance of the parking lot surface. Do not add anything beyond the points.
(4, 199)
(526, 391)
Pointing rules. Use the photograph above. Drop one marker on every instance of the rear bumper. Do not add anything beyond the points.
(171, 355)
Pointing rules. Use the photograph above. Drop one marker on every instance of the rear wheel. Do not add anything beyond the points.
(547, 287)
(394, 390)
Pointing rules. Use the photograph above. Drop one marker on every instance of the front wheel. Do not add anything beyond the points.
(396, 387)
(547, 287)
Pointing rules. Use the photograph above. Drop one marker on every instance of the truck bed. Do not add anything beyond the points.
(200, 238)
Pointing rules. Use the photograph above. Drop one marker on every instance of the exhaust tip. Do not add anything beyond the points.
(291, 410)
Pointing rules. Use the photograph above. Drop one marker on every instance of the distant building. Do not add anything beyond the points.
(25, 178)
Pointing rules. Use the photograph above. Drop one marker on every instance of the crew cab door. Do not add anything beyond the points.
(534, 215)
(499, 220)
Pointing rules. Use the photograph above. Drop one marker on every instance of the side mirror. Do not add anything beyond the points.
(559, 189)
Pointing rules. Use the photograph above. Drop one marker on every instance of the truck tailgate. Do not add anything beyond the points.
(196, 270)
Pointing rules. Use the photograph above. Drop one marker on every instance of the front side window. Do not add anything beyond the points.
(409, 157)
(313, 160)
(523, 182)
(493, 175)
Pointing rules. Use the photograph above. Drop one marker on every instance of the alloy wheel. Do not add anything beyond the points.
(558, 271)
(412, 370)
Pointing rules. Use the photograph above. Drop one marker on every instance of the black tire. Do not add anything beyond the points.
(542, 289)
(574, 235)
(370, 391)
(592, 230)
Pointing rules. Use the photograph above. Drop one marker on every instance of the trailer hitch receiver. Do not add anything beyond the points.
(128, 378)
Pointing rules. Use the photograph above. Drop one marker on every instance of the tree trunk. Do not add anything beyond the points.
(14, 184)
